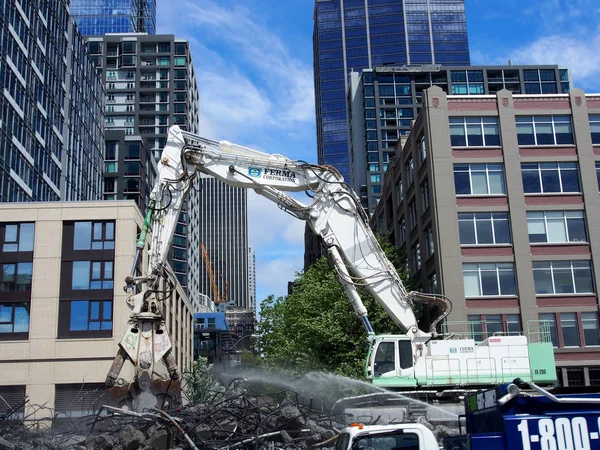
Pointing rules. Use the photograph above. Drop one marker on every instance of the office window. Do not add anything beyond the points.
(12, 405)
(16, 276)
(474, 132)
(562, 277)
(17, 237)
(484, 326)
(94, 236)
(591, 333)
(543, 178)
(422, 150)
(548, 327)
(479, 179)
(79, 400)
(399, 192)
(432, 283)
(425, 194)
(412, 212)
(429, 245)
(484, 228)
(92, 275)
(402, 230)
(556, 226)
(595, 128)
(570, 329)
(594, 373)
(489, 279)
(544, 130)
(410, 171)
(575, 377)
(416, 257)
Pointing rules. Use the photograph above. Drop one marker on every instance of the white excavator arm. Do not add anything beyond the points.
(335, 214)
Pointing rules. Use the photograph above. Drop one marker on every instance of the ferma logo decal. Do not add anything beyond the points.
(254, 172)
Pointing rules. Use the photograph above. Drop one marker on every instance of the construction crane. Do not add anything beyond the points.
(218, 298)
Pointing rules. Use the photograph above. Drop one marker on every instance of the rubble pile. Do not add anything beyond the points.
(240, 421)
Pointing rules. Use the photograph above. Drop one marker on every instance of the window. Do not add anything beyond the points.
(432, 283)
(479, 179)
(570, 329)
(79, 400)
(543, 178)
(400, 192)
(544, 130)
(556, 226)
(16, 277)
(595, 128)
(484, 228)
(598, 174)
(591, 333)
(474, 132)
(90, 315)
(416, 257)
(18, 237)
(484, 326)
(575, 377)
(429, 245)
(92, 275)
(562, 277)
(13, 402)
(410, 171)
(412, 212)
(402, 230)
(14, 318)
(422, 150)
(548, 326)
(425, 194)
(488, 279)
(594, 373)
(94, 236)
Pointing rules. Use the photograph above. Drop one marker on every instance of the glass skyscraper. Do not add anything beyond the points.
(98, 17)
(352, 35)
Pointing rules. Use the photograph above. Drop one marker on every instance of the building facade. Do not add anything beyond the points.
(252, 278)
(221, 212)
(352, 35)
(98, 17)
(495, 200)
(150, 85)
(51, 109)
(383, 102)
(62, 306)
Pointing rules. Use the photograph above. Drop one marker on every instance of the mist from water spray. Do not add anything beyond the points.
(318, 385)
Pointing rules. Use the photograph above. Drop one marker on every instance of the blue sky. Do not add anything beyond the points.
(253, 62)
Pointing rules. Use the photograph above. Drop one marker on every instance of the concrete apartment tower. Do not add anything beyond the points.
(52, 107)
(150, 85)
(96, 18)
(495, 200)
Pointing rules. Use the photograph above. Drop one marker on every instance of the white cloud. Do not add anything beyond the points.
(247, 79)
(273, 276)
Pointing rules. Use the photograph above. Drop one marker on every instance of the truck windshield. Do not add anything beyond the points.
(388, 441)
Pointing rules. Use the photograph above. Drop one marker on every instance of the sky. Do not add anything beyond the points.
(253, 62)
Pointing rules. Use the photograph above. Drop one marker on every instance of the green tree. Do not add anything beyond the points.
(315, 327)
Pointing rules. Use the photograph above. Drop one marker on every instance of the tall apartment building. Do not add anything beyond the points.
(98, 17)
(62, 306)
(352, 35)
(51, 108)
(221, 212)
(150, 85)
(383, 102)
(495, 200)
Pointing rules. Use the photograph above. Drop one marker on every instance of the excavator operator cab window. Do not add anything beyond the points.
(385, 358)
(405, 352)
(386, 355)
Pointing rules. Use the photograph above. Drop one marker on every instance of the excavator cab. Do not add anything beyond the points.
(391, 358)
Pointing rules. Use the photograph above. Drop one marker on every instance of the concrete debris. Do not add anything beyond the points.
(232, 421)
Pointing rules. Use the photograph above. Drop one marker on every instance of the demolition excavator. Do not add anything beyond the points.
(409, 361)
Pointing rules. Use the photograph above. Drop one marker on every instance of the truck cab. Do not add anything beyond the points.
(406, 436)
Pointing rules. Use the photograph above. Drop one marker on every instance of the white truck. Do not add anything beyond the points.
(411, 360)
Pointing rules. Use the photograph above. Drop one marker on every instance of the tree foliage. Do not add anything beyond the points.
(315, 327)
